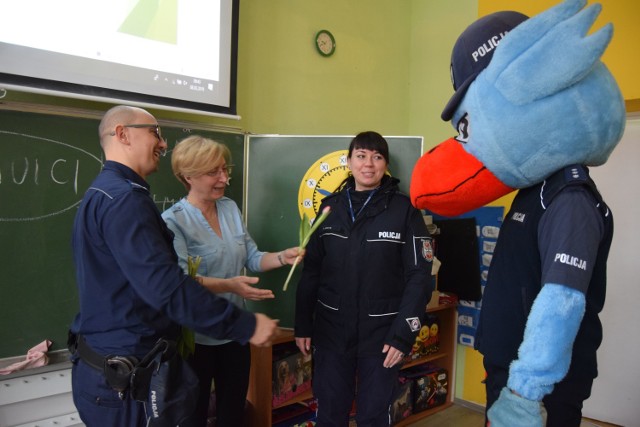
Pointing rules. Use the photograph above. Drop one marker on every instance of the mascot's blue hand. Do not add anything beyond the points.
(545, 353)
(511, 410)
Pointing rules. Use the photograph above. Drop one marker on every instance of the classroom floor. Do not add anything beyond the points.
(461, 416)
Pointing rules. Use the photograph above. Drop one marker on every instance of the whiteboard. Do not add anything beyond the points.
(615, 396)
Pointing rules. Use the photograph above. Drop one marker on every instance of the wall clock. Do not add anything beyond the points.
(321, 179)
(325, 43)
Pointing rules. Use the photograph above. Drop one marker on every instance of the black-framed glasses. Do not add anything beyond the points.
(155, 127)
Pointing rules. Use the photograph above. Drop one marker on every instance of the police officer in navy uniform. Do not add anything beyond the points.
(364, 288)
(132, 291)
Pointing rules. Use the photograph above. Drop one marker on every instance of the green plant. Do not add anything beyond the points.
(187, 341)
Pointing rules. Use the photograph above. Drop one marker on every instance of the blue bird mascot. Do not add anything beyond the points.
(534, 107)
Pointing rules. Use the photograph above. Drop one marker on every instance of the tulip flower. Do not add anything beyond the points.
(306, 230)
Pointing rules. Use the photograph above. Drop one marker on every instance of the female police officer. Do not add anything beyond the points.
(364, 288)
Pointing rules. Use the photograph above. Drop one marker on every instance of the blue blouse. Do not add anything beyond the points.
(221, 257)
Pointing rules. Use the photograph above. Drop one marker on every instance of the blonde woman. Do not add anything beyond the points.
(209, 225)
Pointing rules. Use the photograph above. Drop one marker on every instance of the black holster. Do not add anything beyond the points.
(166, 383)
(140, 381)
(116, 369)
(162, 379)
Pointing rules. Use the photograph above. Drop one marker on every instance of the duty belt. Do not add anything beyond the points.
(117, 369)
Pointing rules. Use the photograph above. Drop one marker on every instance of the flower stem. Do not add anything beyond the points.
(293, 267)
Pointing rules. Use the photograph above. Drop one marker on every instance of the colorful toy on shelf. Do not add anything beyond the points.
(428, 338)
(291, 373)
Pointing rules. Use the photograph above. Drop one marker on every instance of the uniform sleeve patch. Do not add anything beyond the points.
(414, 323)
(427, 249)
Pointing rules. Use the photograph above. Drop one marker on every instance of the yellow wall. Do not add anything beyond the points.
(469, 376)
(621, 56)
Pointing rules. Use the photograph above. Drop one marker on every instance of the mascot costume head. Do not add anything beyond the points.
(533, 106)
(532, 97)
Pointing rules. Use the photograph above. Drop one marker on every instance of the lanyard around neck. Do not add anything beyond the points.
(355, 215)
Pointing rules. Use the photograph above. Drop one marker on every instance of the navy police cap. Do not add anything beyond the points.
(473, 52)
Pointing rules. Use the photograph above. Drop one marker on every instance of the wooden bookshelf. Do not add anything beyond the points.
(260, 394)
(444, 358)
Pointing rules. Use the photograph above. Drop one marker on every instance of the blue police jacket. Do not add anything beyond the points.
(366, 283)
(517, 272)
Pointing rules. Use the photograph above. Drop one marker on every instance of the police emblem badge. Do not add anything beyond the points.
(427, 249)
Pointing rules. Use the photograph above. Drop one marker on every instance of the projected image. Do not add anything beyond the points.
(164, 48)
(153, 20)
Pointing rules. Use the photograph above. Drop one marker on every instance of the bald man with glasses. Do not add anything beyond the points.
(132, 291)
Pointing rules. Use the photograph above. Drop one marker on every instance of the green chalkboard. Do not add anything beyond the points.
(277, 165)
(46, 163)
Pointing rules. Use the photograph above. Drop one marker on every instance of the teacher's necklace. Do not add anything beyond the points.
(355, 215)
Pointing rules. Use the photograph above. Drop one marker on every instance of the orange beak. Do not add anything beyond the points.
(448, 181)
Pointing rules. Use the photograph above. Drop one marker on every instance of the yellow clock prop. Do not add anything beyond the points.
(321, 179)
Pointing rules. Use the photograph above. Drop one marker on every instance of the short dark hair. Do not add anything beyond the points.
(370, 140)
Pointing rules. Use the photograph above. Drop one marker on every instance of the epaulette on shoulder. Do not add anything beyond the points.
(575, 174)
(569, 176)
(137, 187)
